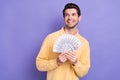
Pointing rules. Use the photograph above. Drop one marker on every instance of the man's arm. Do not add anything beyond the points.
(81, 67)
(43, 63)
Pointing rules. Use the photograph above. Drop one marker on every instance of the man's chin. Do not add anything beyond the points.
(70, 27)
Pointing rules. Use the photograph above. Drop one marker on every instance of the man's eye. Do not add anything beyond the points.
(73, 14)
(66, 15)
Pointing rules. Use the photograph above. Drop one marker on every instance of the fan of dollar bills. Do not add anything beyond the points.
(66, 42)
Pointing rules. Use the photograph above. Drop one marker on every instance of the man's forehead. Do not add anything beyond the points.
(71, 10)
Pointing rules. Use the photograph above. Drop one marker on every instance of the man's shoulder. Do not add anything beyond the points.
(54, 33)
(83, 39)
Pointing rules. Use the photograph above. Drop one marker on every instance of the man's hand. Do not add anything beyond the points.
(61, 58)
(71, 56)
(68, 55)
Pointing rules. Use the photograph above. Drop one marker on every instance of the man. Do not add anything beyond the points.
(68, 65)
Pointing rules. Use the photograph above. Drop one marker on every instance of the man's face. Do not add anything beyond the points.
(71, 18)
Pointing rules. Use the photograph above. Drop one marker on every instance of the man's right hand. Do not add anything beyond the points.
(61, 58)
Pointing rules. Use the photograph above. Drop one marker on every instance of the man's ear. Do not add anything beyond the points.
(79, 18)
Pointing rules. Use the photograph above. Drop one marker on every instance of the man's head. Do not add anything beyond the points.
(70, 6)
(72, 15)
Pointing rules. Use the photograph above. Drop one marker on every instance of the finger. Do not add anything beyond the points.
(70, 54)
(71, 57)
(62, 58)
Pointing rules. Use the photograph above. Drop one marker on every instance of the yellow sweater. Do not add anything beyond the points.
(46, 59)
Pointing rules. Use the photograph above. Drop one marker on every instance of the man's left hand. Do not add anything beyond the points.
(71, 56)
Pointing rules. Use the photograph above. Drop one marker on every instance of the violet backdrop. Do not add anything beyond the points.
(25, 23)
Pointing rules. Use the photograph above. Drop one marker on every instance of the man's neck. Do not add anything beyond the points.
(72, 31)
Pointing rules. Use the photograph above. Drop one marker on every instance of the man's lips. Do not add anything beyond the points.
(70, 22)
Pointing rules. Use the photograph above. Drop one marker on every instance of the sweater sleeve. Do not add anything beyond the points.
(83, 64)
(43, 63)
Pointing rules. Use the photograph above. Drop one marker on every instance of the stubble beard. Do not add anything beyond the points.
(71, 27)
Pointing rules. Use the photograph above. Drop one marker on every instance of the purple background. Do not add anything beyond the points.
(25, 23)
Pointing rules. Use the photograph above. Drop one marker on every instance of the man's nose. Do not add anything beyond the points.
(70, 17)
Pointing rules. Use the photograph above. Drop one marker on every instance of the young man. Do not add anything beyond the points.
(68, 65)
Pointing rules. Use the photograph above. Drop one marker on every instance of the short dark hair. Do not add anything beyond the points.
(72, 5)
